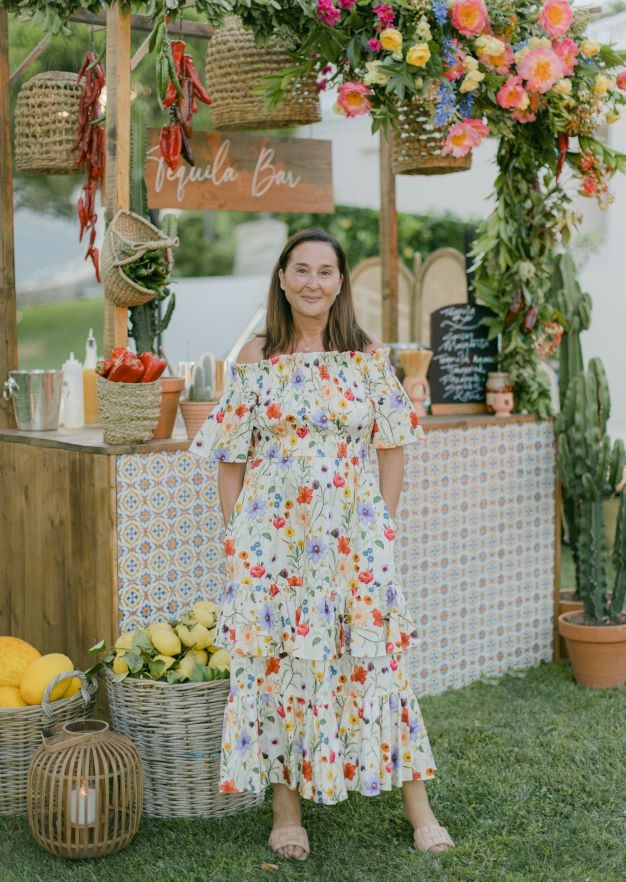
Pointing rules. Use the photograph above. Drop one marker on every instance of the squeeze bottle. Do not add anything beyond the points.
(92, 414)
(73, 409)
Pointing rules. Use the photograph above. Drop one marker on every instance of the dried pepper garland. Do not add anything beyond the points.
(90, 146)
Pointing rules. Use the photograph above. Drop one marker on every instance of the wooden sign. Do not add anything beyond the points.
(462, 357)
(236, 172)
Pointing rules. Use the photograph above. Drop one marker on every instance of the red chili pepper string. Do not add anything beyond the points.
(90, 147)
(174, 141)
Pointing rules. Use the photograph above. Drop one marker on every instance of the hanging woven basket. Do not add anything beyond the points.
(416, 147)
(235, 66)
(46, 124)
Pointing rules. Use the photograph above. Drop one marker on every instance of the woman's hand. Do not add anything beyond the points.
(390, 475)
(230, 477)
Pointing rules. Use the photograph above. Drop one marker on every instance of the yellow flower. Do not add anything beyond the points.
(423, 30)
(563, 87)
(418, 55)
(602, 84)
(289, 531)
(539, 42)
(406, 756)
(470, 64)
(391, 39)
(489, 46)
(471, 81)
(589, 48)
(288, 725)
(374, 76)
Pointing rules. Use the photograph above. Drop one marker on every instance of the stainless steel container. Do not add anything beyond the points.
(36, 397)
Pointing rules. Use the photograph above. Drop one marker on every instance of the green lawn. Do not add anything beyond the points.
(531, 787)
(47, 334)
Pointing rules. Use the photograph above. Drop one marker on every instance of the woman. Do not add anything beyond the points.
(312, 614)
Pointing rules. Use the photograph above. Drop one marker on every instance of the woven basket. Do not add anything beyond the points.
(21, 731)
(127, 238)
(129, 412)
(46, 124)
(416, 148)
(235, 66)
(177, 728)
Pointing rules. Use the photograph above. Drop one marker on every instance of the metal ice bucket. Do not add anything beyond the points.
(36, 397)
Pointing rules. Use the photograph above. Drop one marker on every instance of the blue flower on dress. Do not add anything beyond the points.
(414, 728)
(365, 511)
(256, 507)
(325, 609)
(267, 618)
(315, 549)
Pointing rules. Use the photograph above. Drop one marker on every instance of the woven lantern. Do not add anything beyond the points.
(416, 147)
(235, 67)
(46, 124)
(85, 791)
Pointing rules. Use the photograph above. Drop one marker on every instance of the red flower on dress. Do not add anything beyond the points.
(378, 618)
(303, 629)
(324, 372)
(349, 394)
(243, 408)
(390, 533)
(272, 666)
(349, 770)
(338, 481)
(344, 545)
(279, 522)
(366, 577)
(302, 432)
(228, 787)
(307, 770)
(274, 589)
(414, 419)
(257, 571)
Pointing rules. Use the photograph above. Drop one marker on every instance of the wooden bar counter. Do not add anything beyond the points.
(96, 539)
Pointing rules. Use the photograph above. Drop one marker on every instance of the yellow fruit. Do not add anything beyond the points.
(187, 666)
(124, 641)
(15, 656)
(197, 636)
(74, 687)
(167, 660)
(220, 660)
(204, 612)
(200, 656)
(40, 672)
(119, 665)
(10, 696)
(165, 641)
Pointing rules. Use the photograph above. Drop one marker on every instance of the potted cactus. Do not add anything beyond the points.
(202, 394)
(591, 468)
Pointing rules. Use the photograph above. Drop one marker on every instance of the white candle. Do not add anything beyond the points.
(83, 805)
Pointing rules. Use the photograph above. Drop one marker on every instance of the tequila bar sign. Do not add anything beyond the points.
(236, 172)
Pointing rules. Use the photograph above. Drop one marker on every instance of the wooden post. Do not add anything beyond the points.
(8, 327)
(117, 179)
(388, 235)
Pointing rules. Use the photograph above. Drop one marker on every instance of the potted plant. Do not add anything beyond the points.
(590, 468)
(202, 394)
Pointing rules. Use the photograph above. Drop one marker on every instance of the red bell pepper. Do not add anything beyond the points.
(127, 369)
(153, 366)
(103, 366)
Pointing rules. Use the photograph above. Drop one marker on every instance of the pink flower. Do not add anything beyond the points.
(464, 136)
(327, 13)
(374, 44)
(352, 99)
(621, 80)
(556, 17)
(568, 51)
(347, 4)
(385, 14)
(588, 186)
(500, 63)
(470, 17)
(541, 68)
(512, 95)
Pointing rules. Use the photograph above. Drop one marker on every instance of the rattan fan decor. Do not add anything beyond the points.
(46, 124)
(235, 66)
(416, 147)
(177, 728)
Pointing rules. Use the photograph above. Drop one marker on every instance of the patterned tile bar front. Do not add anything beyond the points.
(475, 549)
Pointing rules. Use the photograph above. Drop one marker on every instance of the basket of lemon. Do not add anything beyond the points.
(167, 687)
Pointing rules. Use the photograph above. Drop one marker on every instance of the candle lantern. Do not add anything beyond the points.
(85, 791)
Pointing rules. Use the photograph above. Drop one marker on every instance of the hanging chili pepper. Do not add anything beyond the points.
(530, 318)
(515, 307)
(180, 94)
(170, 145)
(191, 73)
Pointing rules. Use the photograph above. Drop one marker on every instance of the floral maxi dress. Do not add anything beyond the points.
(311, 610)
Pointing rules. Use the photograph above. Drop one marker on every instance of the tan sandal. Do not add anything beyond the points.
(432, 838)
(296, 837)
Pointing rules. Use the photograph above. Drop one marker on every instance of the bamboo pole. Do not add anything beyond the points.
(117, 177)
(8, 323)
(388, 235)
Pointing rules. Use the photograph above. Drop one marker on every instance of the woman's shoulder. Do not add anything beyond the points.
(252, 351)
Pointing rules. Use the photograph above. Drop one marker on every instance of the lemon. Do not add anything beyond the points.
(167, 660)
(220, 660)
(165, 641)
(119, 665)
(187, 666)
(200, 656)
(124, 641)
(204, 612)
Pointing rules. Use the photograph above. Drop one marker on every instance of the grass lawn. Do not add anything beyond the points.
(531, 786)
(46, 334)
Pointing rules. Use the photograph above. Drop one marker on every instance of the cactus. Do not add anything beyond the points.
(203, 381)
(590, 467)
(575, 307)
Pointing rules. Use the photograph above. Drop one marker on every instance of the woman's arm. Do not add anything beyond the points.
(391, 473)
(229, 483)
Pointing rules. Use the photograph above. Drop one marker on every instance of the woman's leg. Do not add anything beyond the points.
(286, 813)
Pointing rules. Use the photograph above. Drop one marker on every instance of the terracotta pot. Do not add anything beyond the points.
(171, 388)
(194, 414)
(597, 652)
(566, 604)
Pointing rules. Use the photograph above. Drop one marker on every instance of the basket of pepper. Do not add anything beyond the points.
(129, 395)
(136, 260)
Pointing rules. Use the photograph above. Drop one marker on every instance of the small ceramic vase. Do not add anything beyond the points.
(415, 364)
(502, 403)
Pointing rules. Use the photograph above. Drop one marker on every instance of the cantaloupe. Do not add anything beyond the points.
(15, 656)
(10, 696)
(40, 672)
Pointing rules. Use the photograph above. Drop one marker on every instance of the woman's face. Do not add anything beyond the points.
(311, 280)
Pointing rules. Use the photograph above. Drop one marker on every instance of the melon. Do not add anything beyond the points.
(15, 656)
(10, 696)
(40, 672)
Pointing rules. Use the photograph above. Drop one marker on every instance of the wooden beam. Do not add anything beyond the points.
(33, 55)
(117, 178)
(388, 235)
(144, 23)
(8, 322)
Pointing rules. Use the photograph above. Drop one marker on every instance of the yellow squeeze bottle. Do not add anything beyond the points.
(92, 414)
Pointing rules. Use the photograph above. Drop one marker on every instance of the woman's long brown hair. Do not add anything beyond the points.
(342, 332)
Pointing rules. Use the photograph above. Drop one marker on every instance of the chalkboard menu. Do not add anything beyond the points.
(462, 357)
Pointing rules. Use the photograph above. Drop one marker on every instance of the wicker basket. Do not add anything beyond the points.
(416, 148)
(46, 124)
(21, 731)
(177, 728)
(235, 66)
(129, 412)
(127, 238)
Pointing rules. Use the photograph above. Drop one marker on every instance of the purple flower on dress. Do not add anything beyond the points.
(365, 511)
(320, 419)
(397, 401)
(243, 742)
(267, 619)
(256, 507)
(285, 461)
(297, 378)
(220, 453)
(229, 592)
(272, 451)
(371, 787)
(325, 609)
(414, 728)
(315, 549)
(392, 595)
(394, 759)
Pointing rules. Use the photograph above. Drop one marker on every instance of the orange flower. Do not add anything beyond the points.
(307, 770)
(241, 410)
(228, 787)
(229, 547)
(378, 618)
(273, 411)
(305, 495)
(359, 674)
(349, 770)
(344, 545)
(272, 666)
(324, 372)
